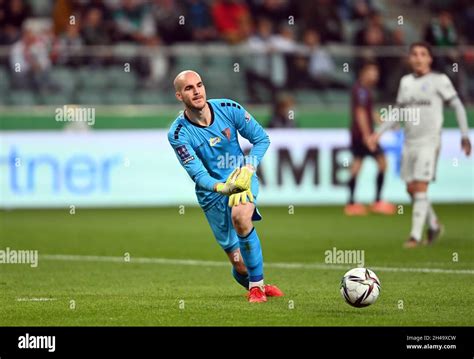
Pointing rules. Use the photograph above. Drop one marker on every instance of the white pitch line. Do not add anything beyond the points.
(35, 299)
(197, 262)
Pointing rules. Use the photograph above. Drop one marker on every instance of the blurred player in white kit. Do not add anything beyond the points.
(423, 93)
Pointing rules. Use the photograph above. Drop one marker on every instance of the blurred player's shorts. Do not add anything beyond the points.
(419, 163)
(219, 217)
(360, 150)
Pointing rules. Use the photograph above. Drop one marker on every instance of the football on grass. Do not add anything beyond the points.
(360, 287)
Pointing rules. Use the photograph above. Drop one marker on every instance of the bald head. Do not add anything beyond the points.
(184, 77)
(190, 90)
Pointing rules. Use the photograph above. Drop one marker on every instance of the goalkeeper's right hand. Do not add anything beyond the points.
(229, 187)
(244, 178)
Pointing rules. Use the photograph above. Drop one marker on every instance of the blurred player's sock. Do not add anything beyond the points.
(251, 252)
(420, 211)
(431, 218)
(242, 279)
(351, 184)
(379, 185)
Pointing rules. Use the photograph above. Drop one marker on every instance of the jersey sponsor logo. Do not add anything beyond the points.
(413, 102)
(247, 116)
(184, 154)
(226, 133)
(214, 141)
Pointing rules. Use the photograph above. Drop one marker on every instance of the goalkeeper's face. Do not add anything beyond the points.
(191, 91)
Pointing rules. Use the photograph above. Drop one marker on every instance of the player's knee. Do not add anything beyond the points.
(242, 221)
(382, 165)
(420, 186)
(243, 226)
(355, 168)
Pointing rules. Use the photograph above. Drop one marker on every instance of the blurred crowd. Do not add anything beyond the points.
(151, 22)
(297, 29)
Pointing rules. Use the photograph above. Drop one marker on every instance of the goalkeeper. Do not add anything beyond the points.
(204, 138)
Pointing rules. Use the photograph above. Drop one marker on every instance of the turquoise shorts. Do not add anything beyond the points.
(219, 217)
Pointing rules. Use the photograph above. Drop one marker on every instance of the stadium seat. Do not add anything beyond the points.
(4, 81)
(338, 97)
(64, 78)
(186, 62)
(346, 78)
(118, 97)
(42, 8)
(240, 95)
(220, 63)
(85, 97)
(411, 34)
(149, 97)
(307, 96)
(22, 98)
(223, 79)
(58, 99)
(117, 78)
(90, 79)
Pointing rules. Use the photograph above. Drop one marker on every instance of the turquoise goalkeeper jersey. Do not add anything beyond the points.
(210, 153)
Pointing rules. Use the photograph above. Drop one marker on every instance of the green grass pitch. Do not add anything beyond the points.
(102, 292)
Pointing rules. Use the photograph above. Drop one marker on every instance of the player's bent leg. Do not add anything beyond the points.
(411, 189)
(421, 186)
(434, 228)
(220, 221)
(251, 253)
(356, 165)
(419, 213)
(381, 162)
(411, 242)
(239, 271)
(352, 208)
(379, 206)
(250, 249)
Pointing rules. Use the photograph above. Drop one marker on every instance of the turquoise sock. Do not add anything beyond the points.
(243, 280)
(251, 252)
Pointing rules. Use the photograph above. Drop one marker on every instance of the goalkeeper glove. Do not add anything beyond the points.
(244, 178)
(241, 197)
(228, 187)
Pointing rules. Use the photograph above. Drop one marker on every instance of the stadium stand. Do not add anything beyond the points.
(81, 48)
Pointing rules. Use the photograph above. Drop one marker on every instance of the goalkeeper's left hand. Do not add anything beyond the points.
(241, 197)
(244, 178)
